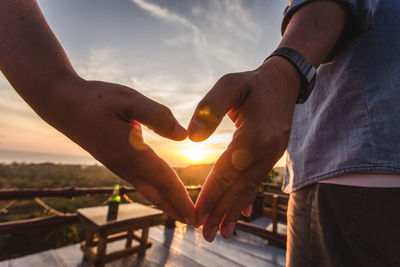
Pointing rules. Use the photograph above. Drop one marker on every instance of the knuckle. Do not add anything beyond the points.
(163, 113)
(247, 189)
(165, 189)
(164, 118)
(224, 182)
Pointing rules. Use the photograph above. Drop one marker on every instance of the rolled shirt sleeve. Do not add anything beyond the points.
(362, 11)
(360, 19)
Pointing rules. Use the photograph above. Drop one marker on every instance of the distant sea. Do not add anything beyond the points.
(9, 156)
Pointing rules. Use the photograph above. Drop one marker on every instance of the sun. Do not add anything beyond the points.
(195, 152)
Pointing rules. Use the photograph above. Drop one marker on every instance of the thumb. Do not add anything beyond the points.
(228, 93)
(155, 116)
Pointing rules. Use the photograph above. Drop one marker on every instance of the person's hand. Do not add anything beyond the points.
(105, 119)
(261, 104)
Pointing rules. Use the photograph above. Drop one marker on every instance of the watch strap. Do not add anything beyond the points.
(305, 69)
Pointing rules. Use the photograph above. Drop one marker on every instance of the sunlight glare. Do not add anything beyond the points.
(195, 152)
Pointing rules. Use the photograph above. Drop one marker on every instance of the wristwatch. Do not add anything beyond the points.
(305, 69)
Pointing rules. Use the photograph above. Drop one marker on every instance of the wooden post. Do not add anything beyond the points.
(143, 240)
(275, 214)
(129, 239)
(89, 237)
(101, 250)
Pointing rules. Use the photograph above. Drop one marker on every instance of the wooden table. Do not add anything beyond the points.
(131, 217)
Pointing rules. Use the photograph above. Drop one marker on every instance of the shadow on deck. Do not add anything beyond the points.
(182, 246)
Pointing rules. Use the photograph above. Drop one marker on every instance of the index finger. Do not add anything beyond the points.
(224, 174)
(136, 162)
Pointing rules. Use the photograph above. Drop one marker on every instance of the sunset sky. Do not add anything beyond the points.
(171, 51)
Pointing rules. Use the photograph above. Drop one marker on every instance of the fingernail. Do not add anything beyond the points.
(248, 210)
(228, 230)
(197, 128)
(212, 234)
(180, 132)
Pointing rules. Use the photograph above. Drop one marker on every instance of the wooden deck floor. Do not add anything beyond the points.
(182, 246)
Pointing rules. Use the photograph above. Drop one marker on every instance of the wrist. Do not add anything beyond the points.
(285, 73)
(64, 101)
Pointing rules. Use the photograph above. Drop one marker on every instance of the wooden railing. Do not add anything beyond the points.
(66, 192)
(274, 207)
(58, 218)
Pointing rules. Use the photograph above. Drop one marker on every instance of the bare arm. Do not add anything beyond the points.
(261, 104)
(31, 57)
(103, 118)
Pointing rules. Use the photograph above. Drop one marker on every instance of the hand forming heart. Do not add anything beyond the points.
(256, 101)
(261, 104)
(105, 120)
(106, 123)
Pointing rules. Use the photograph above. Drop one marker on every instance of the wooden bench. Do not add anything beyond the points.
(131, 217)
(275, 208)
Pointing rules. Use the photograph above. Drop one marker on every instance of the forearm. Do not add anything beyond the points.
(313, 31)
(31, 58)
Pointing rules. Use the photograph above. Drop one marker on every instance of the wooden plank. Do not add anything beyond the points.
(221, 252)
(127, 214)
(267, 187)
(170, 254)
(69, 256)
(262, 232)
(35, 223)
(281, 216)
(129, 236)
(282, 199)
(143, 240)
(186, 247)
(274, 207)
(43, 259)
(158, 256)
(189, 243)
(101, 251)
(88, 252)
(68, 192)
(89, 237)
(122, 253)
(261, 248)
(111, 238)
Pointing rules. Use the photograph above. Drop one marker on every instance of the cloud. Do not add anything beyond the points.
(208, 22)
(164, 13)
(103, 64)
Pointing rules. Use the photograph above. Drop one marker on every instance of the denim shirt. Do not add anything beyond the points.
(351, 122)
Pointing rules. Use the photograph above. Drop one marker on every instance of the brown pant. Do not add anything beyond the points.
(335, 225)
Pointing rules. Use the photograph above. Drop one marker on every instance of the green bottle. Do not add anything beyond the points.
(113, 204)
